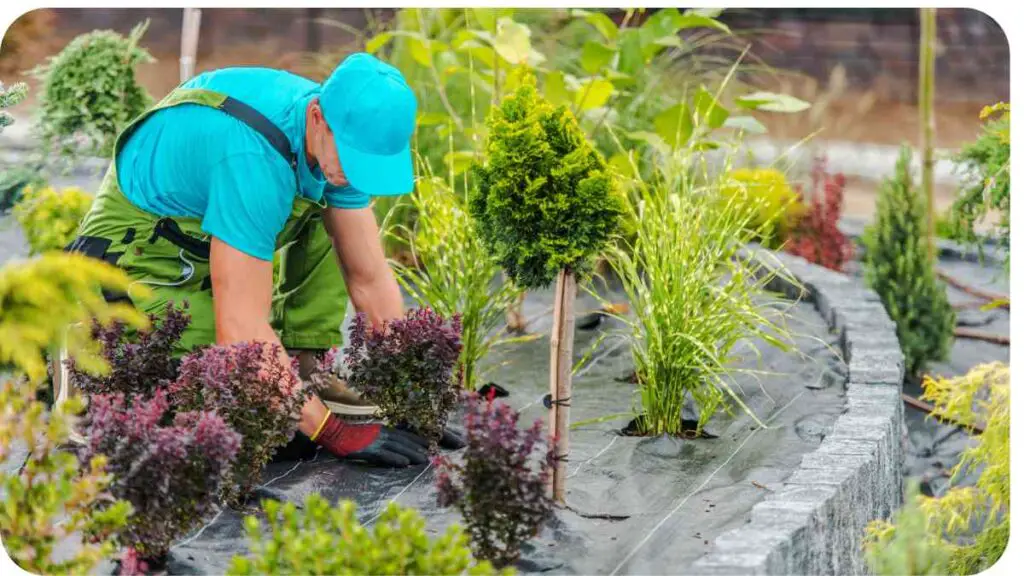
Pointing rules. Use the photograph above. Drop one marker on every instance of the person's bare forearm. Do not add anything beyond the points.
(380, 300)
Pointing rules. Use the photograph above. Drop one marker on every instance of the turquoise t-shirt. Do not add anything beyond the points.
(196, 161)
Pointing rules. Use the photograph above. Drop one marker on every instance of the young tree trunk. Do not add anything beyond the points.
(925, 95)
(561, 376)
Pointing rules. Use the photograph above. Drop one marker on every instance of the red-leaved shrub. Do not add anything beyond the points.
(257, 396)
(170, 468)
(410, 368)
(140, 364)
(500, 488)
(817, 237)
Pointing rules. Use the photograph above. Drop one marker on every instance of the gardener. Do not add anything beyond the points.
(238, 163)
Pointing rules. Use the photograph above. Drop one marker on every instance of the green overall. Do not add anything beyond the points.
(171, 256)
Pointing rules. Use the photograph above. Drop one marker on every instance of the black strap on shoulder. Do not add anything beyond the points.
(258, 122)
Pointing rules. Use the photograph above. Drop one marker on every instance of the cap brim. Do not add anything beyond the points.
(377, 175)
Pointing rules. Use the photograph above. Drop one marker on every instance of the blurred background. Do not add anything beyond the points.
(859, 67)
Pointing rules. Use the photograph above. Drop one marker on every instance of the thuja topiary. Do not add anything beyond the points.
(321, 539)
(545, 199)
(171, 469)
(90, 91)
(817, 237)
(258, 398)
(501, 488)
(898, 266)
(138, 364)
(409, 368)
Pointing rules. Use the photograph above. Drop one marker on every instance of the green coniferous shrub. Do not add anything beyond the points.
(545, 200)
(90, 92)
(898, 266)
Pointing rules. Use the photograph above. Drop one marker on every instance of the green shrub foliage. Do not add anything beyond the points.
(986, 162)
(321, 539)
(545, 200)
(899, 268)
(90, 91)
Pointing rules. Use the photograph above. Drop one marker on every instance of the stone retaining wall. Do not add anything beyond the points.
(815, 523)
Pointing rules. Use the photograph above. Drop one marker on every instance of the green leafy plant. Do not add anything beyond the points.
(13, 180)
(10, 96)
(966, 530)
(90, 92)
(778, 206)
(49, 218)
(453, 272)
(897, 265)
(985, 166)
(700, 295)
(321, 539)
(48, 501)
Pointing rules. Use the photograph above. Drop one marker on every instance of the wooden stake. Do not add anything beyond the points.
(189, 42)
(561, 376)
(979, 292)
(984, 336)
(925, 99)
(927, 408)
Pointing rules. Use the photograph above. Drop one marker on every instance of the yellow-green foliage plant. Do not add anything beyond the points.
(49, 217)
(321, 539)
(42, 300)
(951, 522)
(778, 208)
(453, 272)
(696, 292)
(48, 502)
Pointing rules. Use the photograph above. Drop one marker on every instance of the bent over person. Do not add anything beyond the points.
(239, 163)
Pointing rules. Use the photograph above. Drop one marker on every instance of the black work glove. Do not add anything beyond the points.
(451, 439)
(374, 443)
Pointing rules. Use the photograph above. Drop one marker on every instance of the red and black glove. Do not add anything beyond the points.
(374, 443)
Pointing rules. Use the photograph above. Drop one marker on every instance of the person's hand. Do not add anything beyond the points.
(374, 443)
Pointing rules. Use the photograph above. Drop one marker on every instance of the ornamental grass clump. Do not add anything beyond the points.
(898, 266)
(501, 485)
(257, 397)
(321, 539)
(171, 468)
(454, 272)
(409, 368)
(49, 217)
(696, 292)
(90, 92)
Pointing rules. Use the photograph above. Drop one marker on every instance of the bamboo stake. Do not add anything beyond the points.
(927, 408)
(926, 89)
(561, 376)
(1004, 300)
(983, 336)
(189, 42)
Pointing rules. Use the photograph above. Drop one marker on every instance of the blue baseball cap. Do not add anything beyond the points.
(372, 112)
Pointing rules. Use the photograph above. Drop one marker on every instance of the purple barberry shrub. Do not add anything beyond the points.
(170, 472)
(249, 388)
(501, 486)
(409, 368)
(139, 364)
